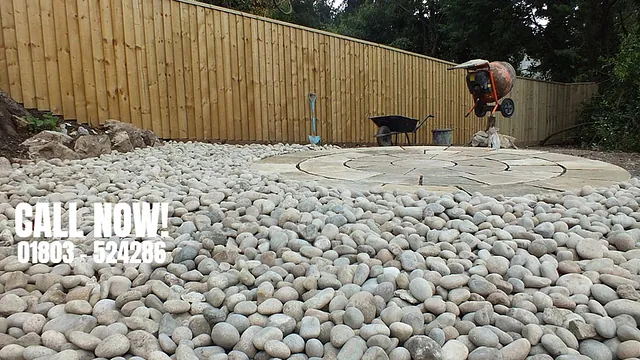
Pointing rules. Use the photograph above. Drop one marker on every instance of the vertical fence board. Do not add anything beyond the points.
(229, 80)
(262, 96)
(143, 68)
(150, 55)
(108, 47)
(278, 73)
(220, 78)
(80, 102)
(24, 54)
(161, 62)
(170, 66)
(176, 15)
(132, 69)
(4, 73)
(102, 96)
(87, 62)
(268, 60)
(210, 116)
(51, 57)
(120, 59)
(250, 125)
(11, 50)
(38, 65)
(187, 24)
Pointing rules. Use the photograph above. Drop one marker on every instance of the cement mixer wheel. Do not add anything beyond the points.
(507, 108)
(480, 110)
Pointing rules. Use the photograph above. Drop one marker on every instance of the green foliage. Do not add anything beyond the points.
(47, 122)
(612, 116)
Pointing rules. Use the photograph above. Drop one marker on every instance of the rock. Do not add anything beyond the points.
(629, 349)
(482, 336)
(120, 142)
(595, 350)
(70, 322)
(135, 134)
(340, 334)
(112, 346)
(420, 289)
(576, 283)
(85, 341)
(11, 304)
(92, 146)
(623, 306)
(554, 345)
(48, 137)
(142, 343)
(483, 353)
(309, 327)
(52, 150)
(225, 335)
(277, 349)
(582, 330)
(605, 327)
(517, 350)
(364, 302)
(589, 249)
(454, 350)
(422, 347)
(354, 349)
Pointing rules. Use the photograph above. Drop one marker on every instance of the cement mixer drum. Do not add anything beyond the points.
(504, 76)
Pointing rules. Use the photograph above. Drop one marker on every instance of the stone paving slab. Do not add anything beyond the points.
(507, 172)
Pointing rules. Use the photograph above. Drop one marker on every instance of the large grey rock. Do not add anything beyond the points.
(92, 146)
(422, 347)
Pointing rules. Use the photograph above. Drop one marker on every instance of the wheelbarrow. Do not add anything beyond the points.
(390, 126)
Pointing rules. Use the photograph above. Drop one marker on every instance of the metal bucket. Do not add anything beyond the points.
(442, 137)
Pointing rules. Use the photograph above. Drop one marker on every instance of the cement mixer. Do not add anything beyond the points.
(488, 83)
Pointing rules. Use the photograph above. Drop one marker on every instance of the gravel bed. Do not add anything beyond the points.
(257, 268)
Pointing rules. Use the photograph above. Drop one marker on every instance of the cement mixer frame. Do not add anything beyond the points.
(482, 86)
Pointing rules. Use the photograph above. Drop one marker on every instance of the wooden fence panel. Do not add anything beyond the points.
(188, 70)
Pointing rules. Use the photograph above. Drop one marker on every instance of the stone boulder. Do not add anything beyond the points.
(46, 137)
(93, 146)
(52, 150)
(150, 138)
(121, 142)
(135, 135)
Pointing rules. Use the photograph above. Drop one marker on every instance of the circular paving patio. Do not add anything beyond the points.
(444, 169)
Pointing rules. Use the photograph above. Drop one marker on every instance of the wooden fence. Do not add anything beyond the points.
(192, 71)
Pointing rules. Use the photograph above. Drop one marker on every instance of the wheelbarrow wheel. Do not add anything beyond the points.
(384, 136)
(507, 108)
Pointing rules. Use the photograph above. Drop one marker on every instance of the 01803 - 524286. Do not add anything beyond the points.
(104, 251)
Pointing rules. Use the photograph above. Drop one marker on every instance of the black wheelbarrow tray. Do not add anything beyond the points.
(390, 126)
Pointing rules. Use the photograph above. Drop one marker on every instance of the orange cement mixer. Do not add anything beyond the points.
(489, 82)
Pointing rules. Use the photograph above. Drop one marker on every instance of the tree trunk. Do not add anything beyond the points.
(8, 109)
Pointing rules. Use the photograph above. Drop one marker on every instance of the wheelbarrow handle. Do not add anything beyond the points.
(424, 121)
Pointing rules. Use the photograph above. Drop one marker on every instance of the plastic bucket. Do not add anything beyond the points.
(442, 137)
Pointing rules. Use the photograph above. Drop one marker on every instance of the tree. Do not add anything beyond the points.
(489, 29)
